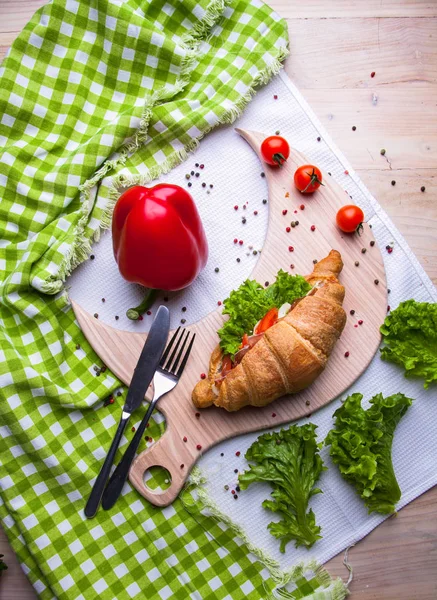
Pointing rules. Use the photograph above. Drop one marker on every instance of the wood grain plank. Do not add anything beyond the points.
(397, 561)
(14, 584)
(400, 122)
(354, 8)
(14, 15)
(413, 212)
(400, 51)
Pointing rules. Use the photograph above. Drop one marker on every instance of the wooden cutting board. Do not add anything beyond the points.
(119, 350)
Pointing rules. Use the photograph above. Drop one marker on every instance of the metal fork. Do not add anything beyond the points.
(165, 379)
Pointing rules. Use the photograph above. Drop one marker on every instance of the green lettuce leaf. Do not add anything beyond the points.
(250, 302)
(290, 461)
(410, 334)
(361, 444)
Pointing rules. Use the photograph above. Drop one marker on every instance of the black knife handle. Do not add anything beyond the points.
(119, 476)
(96, 493)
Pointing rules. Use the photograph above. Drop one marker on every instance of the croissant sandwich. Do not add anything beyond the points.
(288, 349)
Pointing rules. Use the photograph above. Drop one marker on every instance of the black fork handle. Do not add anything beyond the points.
(119, 476)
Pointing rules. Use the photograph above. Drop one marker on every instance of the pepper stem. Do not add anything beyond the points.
(359, 229)
(135, 313)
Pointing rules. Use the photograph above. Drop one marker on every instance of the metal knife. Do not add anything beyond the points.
(143, 375)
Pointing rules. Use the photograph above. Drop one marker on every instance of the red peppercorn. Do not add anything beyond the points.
(355, 325)
(291, 266)
(288, 229)
(182, 465)
(295, 212)
(202, 166)
(235, 241)
(290, 248)
(219, 303)
(285, 211)
(346, 172)
(313, 227)
(302, 207)
(199, 447)
(133, 429)
(360, 322)
(237, 453)
(255, 212)
(140, 318)
(388, 308)
(235, 207)
(111, 400)
(197, 415)
(149, 312)
(185, 438)
(346, 354)
(232, 491)
(203, 376)
(372, 74)
(390, 250)
(273, 415)
(275, 97)
(241, 242)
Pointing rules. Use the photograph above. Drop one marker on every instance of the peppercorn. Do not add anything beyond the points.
(211, 186)
(197, 174)
(243, 220)
(237, 453)
(199, 447)
(372, 74)
(184, 438)
(187, 176)
(238, 259)
(184, 308)
(346, 354)
(372, 243)
(290, 249)
(314, 261)
(264, 201)
(422, 189)
(216, 269)
(291, 266)
(352, 312)
(376, 281)
(313, 227)
(318, 139)
(357, 264)
(263, 174)
(393, 182)
(296, 223)
(307, 402)
(202, 376)
(363, 251)
(189, 184)
(222, 453)
(354, 128)
(235, 470)
(116, 317)
(383, 152)
(182, 465)
(226, 487)
(96, 315)
(92, 257)
(197, 165)
(203, 184)
(277, 132)
(197, 415)
(202, 166)
(235, 497)
(255, 212)
(288, 229)
(273, 415)
(285, 211)
(183, 321)
(237, 488)
(254, 252)
(77, 346)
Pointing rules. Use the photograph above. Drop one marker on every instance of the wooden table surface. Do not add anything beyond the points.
(335, 45)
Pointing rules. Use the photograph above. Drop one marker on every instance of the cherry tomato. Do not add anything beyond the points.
(244, 341)
(350, 218)
(275, 150)
(267, 321)
(307, 179)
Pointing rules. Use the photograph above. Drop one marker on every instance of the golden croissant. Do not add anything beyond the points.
(290, 355)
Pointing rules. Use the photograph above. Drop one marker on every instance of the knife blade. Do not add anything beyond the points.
(142, 376)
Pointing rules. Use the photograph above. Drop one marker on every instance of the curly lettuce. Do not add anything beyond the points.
(361, 444)
(410, 335)
(251, 301)
(290, 462)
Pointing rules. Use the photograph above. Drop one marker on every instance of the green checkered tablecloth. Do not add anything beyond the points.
(87, 88)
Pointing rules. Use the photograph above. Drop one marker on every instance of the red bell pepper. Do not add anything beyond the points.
(158, 239)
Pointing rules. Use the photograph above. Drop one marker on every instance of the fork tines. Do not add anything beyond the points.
(172, 364)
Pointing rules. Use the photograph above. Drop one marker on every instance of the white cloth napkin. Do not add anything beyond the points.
(234, 171)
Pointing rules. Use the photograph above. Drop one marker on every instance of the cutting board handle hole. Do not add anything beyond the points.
(157, 479)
